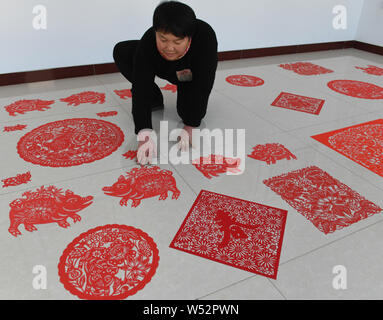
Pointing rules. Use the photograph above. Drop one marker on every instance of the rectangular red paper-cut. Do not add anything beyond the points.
(233, 231)
(361, 143)
(298, 103)
(325, 201)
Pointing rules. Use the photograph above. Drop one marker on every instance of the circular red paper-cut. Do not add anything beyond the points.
(244, 80)
(108, 263)
(70, 142)
(356, 89)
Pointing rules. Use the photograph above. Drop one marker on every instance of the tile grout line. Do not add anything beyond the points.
(228, 286)
(276, 288)
(183, 178)
(344, 167)
(290, 260)
(339, 98)
(50, 115)
(62, 113)
(249, 111)
(329, 122)
(331, 242)
(65, 180)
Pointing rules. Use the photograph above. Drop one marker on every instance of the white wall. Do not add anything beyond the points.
(82, 32)
(370, 28)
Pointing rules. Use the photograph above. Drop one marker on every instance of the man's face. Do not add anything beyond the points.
(170, 46)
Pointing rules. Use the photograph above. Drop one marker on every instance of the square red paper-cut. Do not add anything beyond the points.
(326, 202)
(362, 143)
(298, 103)
(235, 232)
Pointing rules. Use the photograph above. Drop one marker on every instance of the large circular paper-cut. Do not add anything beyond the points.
(108, 263)
(70, 142)
(244, 80)
(356, 89)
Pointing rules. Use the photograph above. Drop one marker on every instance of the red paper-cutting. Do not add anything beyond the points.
(271, 152)
(356, 89)
(108, 262)
(23, 106)
(170, 87)
(14, 128)
(374, 70)
(362, 143)
(305, 68)
(84, 97)
(70, 142)
(107, 114)
(46, 205)
(19, 179)
(326, 202)
(213, 165)
(235, 232)
(298, 103)
(124, 94)
(141, 183)
(131, 154)
(244, 80)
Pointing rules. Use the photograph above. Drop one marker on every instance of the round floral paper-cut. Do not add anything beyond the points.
(108, 263)
(356, 89)
(70, 142)
(244, 80)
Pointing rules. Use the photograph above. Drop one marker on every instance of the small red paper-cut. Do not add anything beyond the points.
(235, 232)
(271, 152)
(46, 205)
(356, 89)
(213, 165)
(70, 142)
(362, 143)
(19, 179)
(305, 68)
(84, 97)
(107, 114)
(124, 94)
(170, 87)
(15, 128)
(108, 262)
(23, 106)
(326, 202)
(298, 103)
(244, 80)
(141, 183)
(131, 154)
(374, 70)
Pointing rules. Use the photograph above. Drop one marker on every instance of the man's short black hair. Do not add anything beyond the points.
(174, 17)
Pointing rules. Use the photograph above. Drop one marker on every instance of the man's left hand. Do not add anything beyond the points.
(185, 138)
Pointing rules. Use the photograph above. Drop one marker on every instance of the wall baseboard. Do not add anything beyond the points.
(97, 69)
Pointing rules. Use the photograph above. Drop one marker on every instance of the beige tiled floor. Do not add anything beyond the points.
(308, 256)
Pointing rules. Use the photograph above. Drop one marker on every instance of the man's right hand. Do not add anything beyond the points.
(147, 148)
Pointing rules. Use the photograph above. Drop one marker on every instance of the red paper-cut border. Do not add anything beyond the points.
(280, 242)
(323, 138)
(140, 286)
(322, 101)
